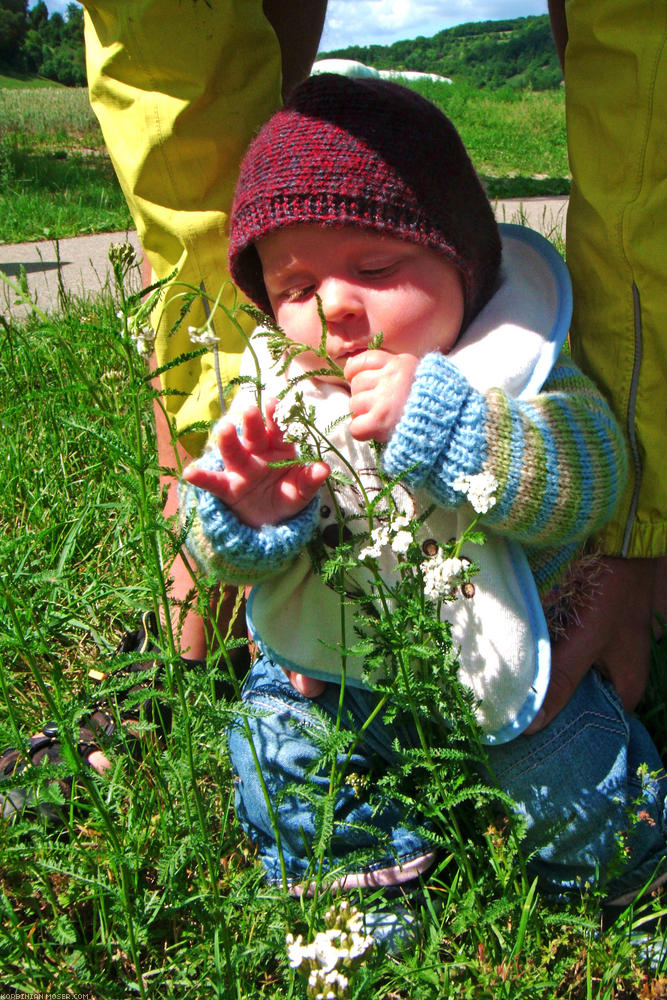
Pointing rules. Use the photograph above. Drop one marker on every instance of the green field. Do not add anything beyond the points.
(141, 883)
(56, 179)
(19, 81)
(145, 885)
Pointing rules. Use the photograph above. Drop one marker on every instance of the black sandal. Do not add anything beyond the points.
(132, 707)
(138, 704)
(45, 748)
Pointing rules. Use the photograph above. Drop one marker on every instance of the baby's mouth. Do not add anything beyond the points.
(341, 359)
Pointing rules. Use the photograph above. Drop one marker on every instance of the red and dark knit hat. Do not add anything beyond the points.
(371, 154)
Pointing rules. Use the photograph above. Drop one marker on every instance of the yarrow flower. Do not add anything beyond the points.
(327, 985)
(359, 783)
(379, 541)
(401, 541)
(122, 257)
(441, 575)
(140, 332)
(394, 535)
(203, 336)
(332, 956)
(480, 490)
(291, 417)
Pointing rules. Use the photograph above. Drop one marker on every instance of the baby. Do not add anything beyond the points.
(358, 203)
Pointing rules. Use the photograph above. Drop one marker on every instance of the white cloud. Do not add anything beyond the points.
(381, 22)
(365, 22)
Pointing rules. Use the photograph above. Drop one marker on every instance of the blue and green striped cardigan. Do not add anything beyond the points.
(559, 459)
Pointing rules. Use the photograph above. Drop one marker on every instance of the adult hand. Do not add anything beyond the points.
(380, 384)
(612, 633)
(256, 491)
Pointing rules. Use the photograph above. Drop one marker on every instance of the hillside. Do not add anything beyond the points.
(518, 52)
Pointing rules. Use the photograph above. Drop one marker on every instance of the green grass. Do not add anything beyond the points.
(52, 185)
(54, 194)
(56, 179)
(148, 887)
(515, 139)
(21, 81)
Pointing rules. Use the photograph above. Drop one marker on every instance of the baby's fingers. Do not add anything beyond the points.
(233, 451)
(255, 436)
(299, 485)
(213, 481)
(274, 431)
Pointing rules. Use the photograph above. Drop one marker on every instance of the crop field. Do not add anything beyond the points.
(56, 179)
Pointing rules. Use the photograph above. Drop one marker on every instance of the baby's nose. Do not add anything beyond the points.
(339, 298)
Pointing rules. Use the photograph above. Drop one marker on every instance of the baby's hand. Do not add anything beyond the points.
(256, 493)
(380, 384)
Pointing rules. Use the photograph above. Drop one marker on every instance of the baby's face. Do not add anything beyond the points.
(368, 283)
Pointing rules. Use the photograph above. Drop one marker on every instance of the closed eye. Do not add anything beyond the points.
(296, 294)
(379, 270)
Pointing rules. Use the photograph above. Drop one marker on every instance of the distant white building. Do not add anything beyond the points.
(345, 67)
(350, 67)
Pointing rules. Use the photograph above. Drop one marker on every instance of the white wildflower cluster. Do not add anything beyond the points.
(395, 535)
(480, 490)
(334, 954)
(441, 575)
(202, 335)
(292, 419)
(140, 332)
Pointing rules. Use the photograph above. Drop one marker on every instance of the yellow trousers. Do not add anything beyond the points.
(616, 99)
(180, 87)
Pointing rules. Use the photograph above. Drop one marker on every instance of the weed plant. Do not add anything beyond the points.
(145, 886)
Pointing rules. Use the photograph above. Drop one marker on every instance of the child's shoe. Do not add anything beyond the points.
(131, 707)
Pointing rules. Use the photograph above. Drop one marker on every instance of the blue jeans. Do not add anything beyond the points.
(575, 784)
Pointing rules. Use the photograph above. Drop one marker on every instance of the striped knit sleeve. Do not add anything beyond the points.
(559, 458)
(227, 550)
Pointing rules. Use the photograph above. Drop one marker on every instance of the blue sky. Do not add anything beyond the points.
(362, 22)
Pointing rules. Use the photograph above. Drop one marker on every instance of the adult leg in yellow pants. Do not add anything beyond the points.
(614, 55)
(180, 87)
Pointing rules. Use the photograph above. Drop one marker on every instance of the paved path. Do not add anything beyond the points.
(83, 262)
(84, 266)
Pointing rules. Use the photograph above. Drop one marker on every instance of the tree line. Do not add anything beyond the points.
(519, 53)
(36, 42)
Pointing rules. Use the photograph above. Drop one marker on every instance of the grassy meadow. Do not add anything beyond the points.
(56, 179)
(140, 883)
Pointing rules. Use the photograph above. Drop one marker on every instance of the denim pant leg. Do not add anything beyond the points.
(368, 835)
(588, 811)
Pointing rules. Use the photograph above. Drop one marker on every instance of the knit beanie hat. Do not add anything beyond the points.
(372, 154)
